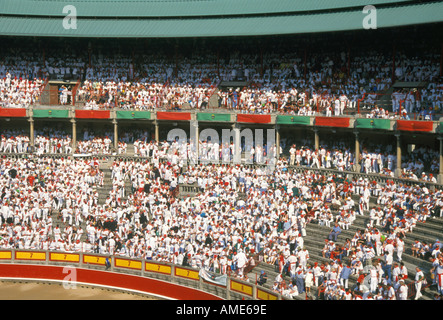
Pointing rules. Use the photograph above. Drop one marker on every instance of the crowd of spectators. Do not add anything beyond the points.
(337, 155)
(331, 83)
(14, 141)
(49, 140)
(420, 164)
(16, 92)
(218, 229)
(374, 253)
(143, 96)
(325, 83)
(96, 142)
(33, 188)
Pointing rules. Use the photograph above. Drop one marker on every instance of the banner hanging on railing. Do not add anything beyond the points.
(220, 280)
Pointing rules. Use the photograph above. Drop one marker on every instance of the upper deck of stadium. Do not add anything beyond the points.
(203, 18)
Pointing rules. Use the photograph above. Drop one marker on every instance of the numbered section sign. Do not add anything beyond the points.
(64, 257)
(265, 295)
(187, 273)
(158, 268)
(128, 263)
(241, 287)
(5, 255)
(91, 259)
(30, 255)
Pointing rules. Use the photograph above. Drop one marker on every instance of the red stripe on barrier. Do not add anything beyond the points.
(254, 118)
(13, 113)
(173, 115)
(104, 278)
(409, 125)
(332, 122)
(92, 114)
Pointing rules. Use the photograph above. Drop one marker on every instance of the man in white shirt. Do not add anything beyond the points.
(402, 290)
(373, 272)
(419, 277)
(292, 152)
(400, 246)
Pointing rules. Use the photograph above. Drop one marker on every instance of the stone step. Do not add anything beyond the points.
(428, 293)
(314, 242)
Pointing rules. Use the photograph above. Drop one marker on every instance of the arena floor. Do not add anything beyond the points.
(10, 290)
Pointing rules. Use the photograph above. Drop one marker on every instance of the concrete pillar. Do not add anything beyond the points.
(237, 143)
(398, 165)
(31, 133)
(316, 139)
(357, 152)
(156, 131)
(74, 135)
(277, 141)
(115, 123)
(195, 139)
(228, 291)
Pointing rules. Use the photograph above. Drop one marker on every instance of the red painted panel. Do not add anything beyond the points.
(12, 112)
(173, 115)
(332, 122)
(409, 125)
(254, 118)
(92, 114)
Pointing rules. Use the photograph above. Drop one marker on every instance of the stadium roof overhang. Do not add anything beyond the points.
(204, 18)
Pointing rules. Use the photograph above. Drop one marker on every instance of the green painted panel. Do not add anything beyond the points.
(213, 116)
(303, 120)
(50, 113)
(133, 114)
(384, 124)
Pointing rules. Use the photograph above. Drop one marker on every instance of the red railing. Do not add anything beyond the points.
(74, 92)
(411, 287)
(365, 96)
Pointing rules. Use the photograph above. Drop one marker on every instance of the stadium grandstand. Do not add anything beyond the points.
(224, 149)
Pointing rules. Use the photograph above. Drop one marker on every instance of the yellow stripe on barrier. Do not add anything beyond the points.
(68, 257)
(26, 255)
(159, 268)
(186, 273)
(5, 255)
(263, 295)
(126, 263)
(241, 287)
(94, 259)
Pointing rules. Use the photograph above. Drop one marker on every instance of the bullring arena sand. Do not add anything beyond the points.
(29, 290)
